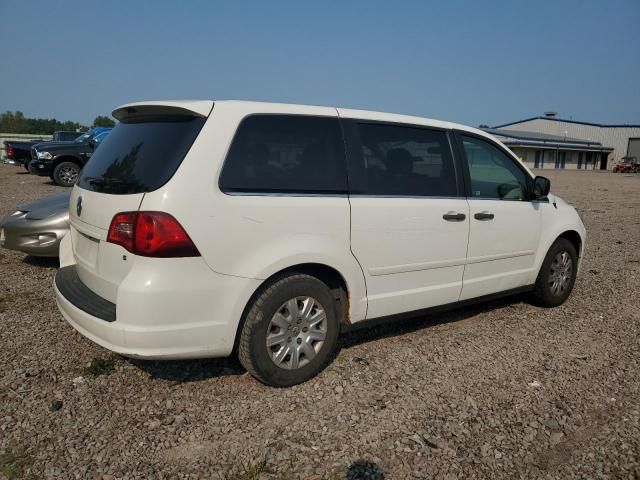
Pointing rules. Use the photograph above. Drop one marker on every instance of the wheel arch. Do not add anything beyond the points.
(65, 158)
(327, 274)
(575, 238)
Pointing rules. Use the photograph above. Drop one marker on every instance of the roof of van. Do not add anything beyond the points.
(204, 107)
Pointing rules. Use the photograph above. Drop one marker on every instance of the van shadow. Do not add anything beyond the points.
(376, 329)
(185, 371)
(42, 262)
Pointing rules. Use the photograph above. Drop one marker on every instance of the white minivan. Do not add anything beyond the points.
(203, 228)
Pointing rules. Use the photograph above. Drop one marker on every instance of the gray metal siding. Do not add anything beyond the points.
(616, 138)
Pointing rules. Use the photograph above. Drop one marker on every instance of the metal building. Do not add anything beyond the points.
(550, 142)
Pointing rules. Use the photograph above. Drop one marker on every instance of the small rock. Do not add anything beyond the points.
(55, 405)
(555, 438)
(580, 357)
(563, 406)
(339, 389)
(552, 424)
(78, 380)
(535, 384)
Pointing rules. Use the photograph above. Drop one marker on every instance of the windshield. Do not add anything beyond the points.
(140, 156)
(83, 138)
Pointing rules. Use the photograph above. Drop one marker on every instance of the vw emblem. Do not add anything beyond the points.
(79, 205)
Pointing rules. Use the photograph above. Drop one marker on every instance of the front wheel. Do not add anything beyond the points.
(290, 331)
(557, 274)
(66, 173)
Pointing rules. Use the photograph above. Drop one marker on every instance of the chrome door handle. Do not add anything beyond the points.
(454, 217)
(483, 216)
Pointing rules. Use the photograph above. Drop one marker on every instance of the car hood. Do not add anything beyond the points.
(42, 145)
(60, 146)
(46, 207)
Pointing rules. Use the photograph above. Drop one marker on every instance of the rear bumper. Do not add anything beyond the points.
(172, 321)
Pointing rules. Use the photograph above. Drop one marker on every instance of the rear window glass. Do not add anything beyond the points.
(141, 155)
(286, 154)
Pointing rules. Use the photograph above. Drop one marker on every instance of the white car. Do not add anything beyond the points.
(200, 228)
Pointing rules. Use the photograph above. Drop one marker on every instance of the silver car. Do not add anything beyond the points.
(37, 228)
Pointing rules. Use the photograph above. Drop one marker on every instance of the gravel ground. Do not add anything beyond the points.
(502, 390)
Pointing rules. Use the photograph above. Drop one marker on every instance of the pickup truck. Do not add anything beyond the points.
(62, 161)
(19, 153)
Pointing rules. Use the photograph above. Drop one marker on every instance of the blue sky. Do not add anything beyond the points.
(470, 62)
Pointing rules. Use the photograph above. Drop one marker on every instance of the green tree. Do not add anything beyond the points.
(103, 121)
(16, 122)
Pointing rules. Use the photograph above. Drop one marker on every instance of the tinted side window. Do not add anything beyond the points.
(286, 154)
(402, 160)
(493, 174)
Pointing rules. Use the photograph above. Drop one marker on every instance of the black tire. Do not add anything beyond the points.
(62, 174)
(253, 352)
(25, 164)
(543, 293)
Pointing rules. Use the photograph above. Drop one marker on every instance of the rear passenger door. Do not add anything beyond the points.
(409, 219)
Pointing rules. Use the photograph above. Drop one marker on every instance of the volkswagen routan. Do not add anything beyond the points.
(205, 229)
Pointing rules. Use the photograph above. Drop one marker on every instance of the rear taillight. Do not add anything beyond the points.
(10, 152)
(151, 234)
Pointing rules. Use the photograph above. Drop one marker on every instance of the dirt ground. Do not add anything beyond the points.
(500, 390)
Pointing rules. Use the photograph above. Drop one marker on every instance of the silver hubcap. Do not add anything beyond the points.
(69, 174)
(561, 272)
(296, 332)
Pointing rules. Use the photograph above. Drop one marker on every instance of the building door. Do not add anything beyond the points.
(579, 160)
(587, 162)
(537, 162)
(603, 160)
(563, 159)
(633, 148)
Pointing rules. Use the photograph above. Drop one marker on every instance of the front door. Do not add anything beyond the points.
(409, 218)
(504, 227)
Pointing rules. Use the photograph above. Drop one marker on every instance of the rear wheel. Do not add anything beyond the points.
(557, 274)
(290, 331)
(65, 174)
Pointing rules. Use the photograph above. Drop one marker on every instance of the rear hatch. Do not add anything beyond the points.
(140, 155)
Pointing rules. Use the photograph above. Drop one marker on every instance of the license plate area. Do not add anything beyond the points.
(85, 248)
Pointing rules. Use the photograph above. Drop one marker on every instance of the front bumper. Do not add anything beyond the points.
(40, 238)
(39, 167)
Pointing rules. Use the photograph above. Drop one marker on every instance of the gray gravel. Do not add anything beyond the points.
(502, 390)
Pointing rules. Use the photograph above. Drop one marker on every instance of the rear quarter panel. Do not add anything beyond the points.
(256, 236)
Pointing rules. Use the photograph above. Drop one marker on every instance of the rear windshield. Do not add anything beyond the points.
(140, 155)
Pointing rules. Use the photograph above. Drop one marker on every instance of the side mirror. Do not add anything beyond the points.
(93, 143)
(541, 187)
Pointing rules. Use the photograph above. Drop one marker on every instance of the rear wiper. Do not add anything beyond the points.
(102, 181)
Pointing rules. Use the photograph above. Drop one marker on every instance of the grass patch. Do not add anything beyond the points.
(14, 461)
(252, 471)
(100, 366)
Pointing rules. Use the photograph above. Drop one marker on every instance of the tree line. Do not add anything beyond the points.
(16, 122)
